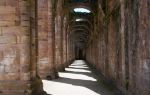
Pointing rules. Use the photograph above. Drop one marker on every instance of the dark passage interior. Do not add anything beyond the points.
(49, 39)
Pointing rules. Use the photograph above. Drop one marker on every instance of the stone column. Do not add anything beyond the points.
(58, 37)
(14, 46)
(53, 74)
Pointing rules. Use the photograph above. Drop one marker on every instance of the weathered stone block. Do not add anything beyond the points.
(25, 23)
(43, 61)
(43, 49)
(8, 39)
(9, 60)
(23, 47)
(25, 18)
(10, 51)
(8, 17)
(25, 76)
(1, 55)
(24, 68)
(13, 31)
(12, 76)
(1, 68)
(7, 23)
(11, 3)
(2, 76)
(25, 31)
(2, 2)
(12, 68)
(23, 39)
(7, 9)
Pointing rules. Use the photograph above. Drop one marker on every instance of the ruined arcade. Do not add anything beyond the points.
(40, 38)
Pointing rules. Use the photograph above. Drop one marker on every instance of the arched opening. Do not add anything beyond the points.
(40, 39)
(81, 25)
(81, 10)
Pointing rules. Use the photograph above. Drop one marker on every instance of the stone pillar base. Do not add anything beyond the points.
(52, 75)
(61, 68)
(37, 87)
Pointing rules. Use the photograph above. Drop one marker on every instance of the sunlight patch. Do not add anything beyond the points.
(62, 88)
(77, 80)
(77, 76)
(79, 19)
(82, 10)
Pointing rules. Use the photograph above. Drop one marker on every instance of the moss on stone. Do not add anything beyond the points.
(126, 84)
(105, 84)
(37, 87)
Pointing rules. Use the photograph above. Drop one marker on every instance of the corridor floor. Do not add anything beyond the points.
(76, 80)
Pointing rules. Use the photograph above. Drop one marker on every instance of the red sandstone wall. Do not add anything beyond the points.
(43, 56)
(14, 46)
(52, 38)
(46, 63)
(31, 43)
(59, 36)
(64, 43)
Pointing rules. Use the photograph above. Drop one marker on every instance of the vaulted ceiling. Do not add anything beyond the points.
(81, 17)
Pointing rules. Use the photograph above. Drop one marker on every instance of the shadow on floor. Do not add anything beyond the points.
(92, 85)
(83, 73)
(79, 77)
(86, 68)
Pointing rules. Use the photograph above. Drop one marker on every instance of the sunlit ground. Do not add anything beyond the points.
(77, 80)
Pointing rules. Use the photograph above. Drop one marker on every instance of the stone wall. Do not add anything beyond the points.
(138, 43)
(45, 53)
(120, 51)
(35, 41)
(14, 46)
(52, 38)
(61, 37)
(58, 36)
